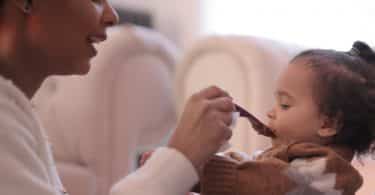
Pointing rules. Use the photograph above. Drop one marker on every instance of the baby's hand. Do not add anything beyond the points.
(238, 156)
(144, 157)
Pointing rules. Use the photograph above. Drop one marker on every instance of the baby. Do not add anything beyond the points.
(324, 116)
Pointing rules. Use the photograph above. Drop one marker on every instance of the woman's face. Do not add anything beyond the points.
(61, 33)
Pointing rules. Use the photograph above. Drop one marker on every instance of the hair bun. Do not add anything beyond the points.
(362, 50)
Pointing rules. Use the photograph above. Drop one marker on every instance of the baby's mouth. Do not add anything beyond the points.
(258, 126)
(274, 132)
(266, 131)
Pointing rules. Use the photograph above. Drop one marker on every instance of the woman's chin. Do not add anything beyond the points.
(81, 68)
(84, 69)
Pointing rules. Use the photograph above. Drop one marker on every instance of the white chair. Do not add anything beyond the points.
(98, 123)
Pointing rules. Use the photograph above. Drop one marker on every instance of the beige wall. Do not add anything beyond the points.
(178, 20)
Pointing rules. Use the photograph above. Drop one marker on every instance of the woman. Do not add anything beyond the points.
(39, 38)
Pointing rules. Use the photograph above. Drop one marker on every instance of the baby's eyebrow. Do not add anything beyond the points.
(282, 93)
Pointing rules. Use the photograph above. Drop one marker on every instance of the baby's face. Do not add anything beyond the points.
(295, 116)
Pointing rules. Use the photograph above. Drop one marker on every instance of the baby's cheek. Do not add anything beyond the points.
(286, 131)
(281, 125)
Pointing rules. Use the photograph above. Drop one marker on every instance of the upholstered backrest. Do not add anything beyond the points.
(98, 123)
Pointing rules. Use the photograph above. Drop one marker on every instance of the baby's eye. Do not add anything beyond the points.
(284, 106)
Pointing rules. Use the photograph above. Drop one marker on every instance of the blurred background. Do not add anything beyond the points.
(331, 24)
(163, 51)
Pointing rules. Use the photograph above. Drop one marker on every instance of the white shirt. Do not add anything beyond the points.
(27, 166)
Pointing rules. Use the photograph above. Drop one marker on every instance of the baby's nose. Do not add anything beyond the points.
(271, 114)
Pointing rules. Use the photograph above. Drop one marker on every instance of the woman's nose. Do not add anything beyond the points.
(110, 16)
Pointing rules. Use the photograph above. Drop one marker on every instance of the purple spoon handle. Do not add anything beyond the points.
(257, 124)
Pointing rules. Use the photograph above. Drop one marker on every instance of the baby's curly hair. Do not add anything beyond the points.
(345, 91)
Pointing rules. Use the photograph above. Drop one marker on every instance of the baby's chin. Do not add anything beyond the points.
(279, 141)
(283, 141)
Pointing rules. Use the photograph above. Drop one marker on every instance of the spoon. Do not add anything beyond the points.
(256, 123)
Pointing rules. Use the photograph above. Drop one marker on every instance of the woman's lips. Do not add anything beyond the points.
(93, 50)
(95, 39)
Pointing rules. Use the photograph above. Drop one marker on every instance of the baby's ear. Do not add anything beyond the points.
(328, 128)
(327, 132)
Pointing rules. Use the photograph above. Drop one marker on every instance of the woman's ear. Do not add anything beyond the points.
(24, 5)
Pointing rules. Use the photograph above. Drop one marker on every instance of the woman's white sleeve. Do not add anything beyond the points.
(167, 172)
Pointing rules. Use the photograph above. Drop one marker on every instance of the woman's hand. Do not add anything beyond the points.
(204, 125)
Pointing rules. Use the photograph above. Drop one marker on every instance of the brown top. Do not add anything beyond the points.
(298, 168)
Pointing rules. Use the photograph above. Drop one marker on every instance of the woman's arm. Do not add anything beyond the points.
(167, 172)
